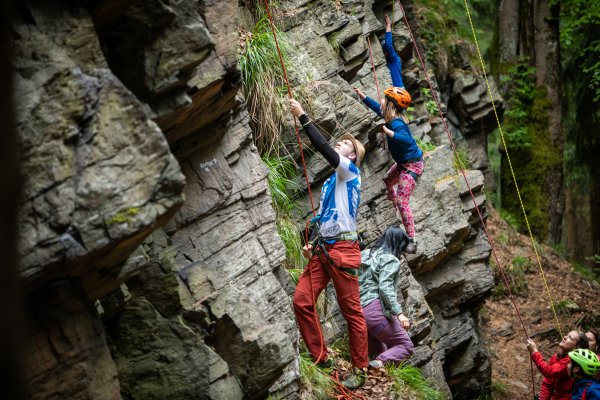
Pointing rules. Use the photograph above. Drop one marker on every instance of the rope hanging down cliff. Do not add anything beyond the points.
(537, 256)
(289, 90)
(462, 170)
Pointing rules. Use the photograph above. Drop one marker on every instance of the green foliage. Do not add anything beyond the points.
(515, 276)
(579, 27)
(425, 146)
(502, 239)
(566, 306)
(586, 272)
(495, 161)
(263, 81)
(594, 259)
(295, 274)
(512, 219)
(341, 347)
(499, 392)
(580, 51)
(522, 92)
(521, 262)
(409, 382)
(430, 104)
(445, 22)
(461, 160)
(123, 216)
(315, 384)
(531, 152)
(282, 187)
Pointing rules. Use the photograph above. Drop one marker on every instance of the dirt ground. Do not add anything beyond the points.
(577, 309)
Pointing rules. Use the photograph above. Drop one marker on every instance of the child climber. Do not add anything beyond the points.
(583, 366)
(407, 155)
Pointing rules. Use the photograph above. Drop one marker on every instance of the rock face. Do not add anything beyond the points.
(124, 101)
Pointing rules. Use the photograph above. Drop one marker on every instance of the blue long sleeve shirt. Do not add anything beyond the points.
(402, 145)
(394, 62)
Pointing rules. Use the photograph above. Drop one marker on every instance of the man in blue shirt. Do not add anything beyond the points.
(337, 258)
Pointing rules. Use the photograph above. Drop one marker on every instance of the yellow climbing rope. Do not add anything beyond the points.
(511, 169)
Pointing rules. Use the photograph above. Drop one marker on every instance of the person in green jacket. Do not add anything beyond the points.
(378, 279)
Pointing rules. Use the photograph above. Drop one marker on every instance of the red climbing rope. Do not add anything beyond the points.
(500, 268)
(376, 84)
(373, 68)
(312, 205)
(343, 392)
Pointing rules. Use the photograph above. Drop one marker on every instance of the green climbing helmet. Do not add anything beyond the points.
(587, 360)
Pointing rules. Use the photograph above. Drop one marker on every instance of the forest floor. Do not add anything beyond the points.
(576, 305)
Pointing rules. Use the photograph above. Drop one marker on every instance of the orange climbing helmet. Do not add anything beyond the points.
(397, 95)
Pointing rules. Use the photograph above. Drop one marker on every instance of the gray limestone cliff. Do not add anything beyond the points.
(147, 234)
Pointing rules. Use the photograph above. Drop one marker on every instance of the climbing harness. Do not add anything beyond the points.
(459, 162)
(511, 170)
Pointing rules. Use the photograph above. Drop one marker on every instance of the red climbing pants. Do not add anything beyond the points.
(345, 256)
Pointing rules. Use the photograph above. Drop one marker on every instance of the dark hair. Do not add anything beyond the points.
(582, 341)
(394, 240)
(595, 333)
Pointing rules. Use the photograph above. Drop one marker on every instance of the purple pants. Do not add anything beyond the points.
(388, 341)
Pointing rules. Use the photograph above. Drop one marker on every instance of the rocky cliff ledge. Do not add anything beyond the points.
(148, 241)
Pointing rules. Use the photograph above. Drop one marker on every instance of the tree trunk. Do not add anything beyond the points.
(508, 30)
(528, 32)
(547, 63)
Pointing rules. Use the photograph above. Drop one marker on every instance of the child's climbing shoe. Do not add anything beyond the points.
(356, 379)
(376, 364)
(411, 248)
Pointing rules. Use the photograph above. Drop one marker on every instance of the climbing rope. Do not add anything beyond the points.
(459, 163)
(289, 90)
(383, 139)
(543, 275)
(343, 392)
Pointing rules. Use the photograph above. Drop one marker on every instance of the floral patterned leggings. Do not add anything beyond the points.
(400, 197)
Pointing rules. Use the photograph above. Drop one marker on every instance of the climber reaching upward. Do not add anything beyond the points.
(556, 384)
(402, 177)
(407, 155)
(393, 61)
(336, 255)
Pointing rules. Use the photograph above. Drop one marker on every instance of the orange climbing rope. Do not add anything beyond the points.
(459, 162)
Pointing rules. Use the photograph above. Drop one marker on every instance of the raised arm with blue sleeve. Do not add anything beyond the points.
(394, 62)
(373, 105)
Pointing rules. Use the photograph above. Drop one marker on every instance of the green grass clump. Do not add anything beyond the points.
(282, 188)
(315, 384)
(499, 390)
(586, 272)
(566, 306)
(425, 146)
(460, 159)
(515, 276)
(263, 81)
(430, 104)
(409, 382)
